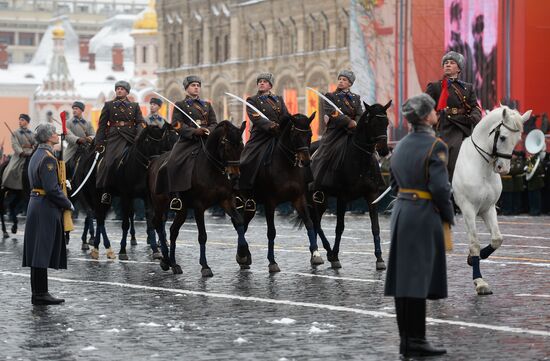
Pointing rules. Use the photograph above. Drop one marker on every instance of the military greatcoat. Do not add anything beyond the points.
(77, 128)
(257, 151)
(458, 119)
(119, 123)
(44, 241)
(22, 142)
(181, 160)
(328, 159)
(417, 265)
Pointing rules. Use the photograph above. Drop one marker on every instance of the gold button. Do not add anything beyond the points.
(415, 196)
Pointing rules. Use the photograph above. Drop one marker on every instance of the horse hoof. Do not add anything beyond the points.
(164, 265)
(122, 257)
(244, 266)
(14, 229)
(85, 247)
(133, 242)
(482, 287)
(469, 261)
(316, 259)
(274, 268)
(176, 269)
(6, 235)
(91, 240)
(157, 255)
(380, 265)
(94, 254)
(206, 272)
(111, 254)
(335, 264)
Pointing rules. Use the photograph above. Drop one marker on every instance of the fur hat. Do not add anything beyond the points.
(78, 104)
(416, 108)
(267, 77)
(25, 116)
(191, 79)
(123, 84)
(453, 55)
(43, 132)
(348, 74)
(156, 101)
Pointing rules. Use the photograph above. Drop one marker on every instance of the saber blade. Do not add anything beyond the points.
(248, 105)
(87, 176)
(382, 195)
(325, 99)
(178, 108)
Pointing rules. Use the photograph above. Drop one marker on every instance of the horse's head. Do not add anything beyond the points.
(150, 141)
(297, 128)
(227, 139)
(505, 127)
(373, 127)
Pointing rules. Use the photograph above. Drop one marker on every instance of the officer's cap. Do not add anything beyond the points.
(156, 101)
(25, 116)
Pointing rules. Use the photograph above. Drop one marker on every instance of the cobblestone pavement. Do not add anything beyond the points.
(134, 310)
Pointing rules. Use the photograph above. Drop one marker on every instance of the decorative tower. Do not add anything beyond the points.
(145, 34)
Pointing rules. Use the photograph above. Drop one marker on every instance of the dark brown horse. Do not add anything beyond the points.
(216, 165)
(284, 179)
(359, 176)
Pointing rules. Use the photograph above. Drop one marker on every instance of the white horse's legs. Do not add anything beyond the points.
(490, 218)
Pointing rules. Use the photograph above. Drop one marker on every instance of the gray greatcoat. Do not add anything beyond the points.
(460, 117)
(44, 241)
(22, 142)
(257, 151)
(77, 128)
(417, 266)
(181, 160)
(329, 157)
(115, 136)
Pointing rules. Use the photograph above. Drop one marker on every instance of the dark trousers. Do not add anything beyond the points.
(411, 317)
(535, 202)
(39, 280)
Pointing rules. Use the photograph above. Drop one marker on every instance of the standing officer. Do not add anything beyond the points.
(119, 123)
(181, 160)
(262, 135)
(80, 134)
(456, 106)
(330, 155)
(154, 118)
(417, 268)
(22, 142)
(44, 242)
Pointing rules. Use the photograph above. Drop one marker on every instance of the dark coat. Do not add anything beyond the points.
(329, 158)
(116, 138)
(257, 151)
(453, 128)
(181, 160)
(44, 241)
(417, 266)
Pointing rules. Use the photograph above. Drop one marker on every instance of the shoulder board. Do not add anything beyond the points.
(439, 140)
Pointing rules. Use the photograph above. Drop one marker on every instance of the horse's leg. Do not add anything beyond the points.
(340, 213)
(133, 240)
(179, 220)
(125, 205)
(375, 228)
(300, 205)
(199, 219)
(102, 232)
(14, 199)
(271, 233)
(90, 221)
(243, 257)
(469, 214)
(316, 215)
(491, 221)
(151, 234)
(3, 211)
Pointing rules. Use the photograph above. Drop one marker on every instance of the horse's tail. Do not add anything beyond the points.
(296, 221)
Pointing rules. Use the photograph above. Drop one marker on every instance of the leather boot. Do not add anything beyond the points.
(414, 343)
(39, 283)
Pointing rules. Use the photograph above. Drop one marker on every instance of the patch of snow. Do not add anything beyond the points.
(314, 330)
(113, 330)
(150, 324)
(283, 321)
(240, 340)
(69, 329)
(89, 348)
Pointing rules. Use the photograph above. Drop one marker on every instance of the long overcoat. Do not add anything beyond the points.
(417, 266)
(181, 160)
(257, 151)
(22, 142)
(329, 158)
(44, 241)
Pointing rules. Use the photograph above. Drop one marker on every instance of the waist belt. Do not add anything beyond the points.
(122, 124)
(38, 192)
(413, 194)
(455, 111)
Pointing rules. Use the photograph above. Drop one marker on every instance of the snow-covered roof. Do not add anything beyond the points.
(115, 30)
(43, 53)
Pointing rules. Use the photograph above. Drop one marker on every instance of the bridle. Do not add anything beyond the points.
(495, 154)
(221, 166)
(144, 160)
(292, 155)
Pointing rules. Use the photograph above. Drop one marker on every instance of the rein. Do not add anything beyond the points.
(219, 165)
(494, 152)
(292, 155)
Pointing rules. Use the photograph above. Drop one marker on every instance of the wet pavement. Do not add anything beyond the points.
(134, 310)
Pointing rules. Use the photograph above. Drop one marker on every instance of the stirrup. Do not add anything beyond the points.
(175, 204)
(106, 198)
(250, 205)
(239, 203)
(319, 197)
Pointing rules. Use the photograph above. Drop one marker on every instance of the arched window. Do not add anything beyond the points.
(217, 49)
(226, 47)
(198, 51)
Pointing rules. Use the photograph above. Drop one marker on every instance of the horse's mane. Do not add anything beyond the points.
(512, 115)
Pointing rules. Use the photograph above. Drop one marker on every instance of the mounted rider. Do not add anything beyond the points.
(154, 119)
(181, 160)
(22, 142)
(80, 135)
(257, 151)
(329, 157)
(457, 106)
(119, 124)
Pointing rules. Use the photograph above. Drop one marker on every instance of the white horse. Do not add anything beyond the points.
(477, 185)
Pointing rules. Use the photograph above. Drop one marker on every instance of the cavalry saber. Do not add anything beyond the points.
(87, 176)
(325, 99)
(178, 108)
(382, 195)
(247, 104)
